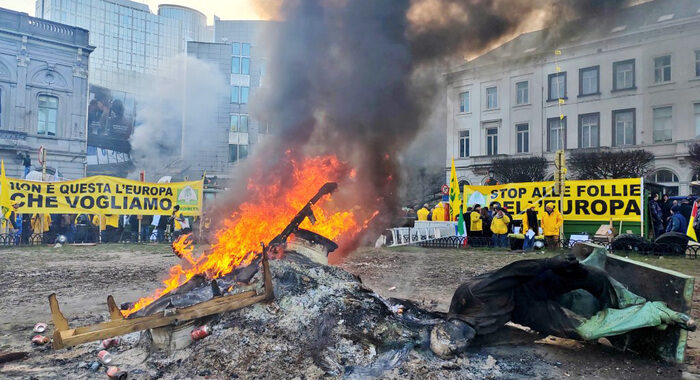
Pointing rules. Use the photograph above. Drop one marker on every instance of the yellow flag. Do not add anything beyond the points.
(5, 205)
(561, 101)
(455, 201)
(557, 52)
(693, 215)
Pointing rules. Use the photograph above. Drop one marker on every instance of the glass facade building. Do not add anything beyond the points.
(194, 23)
(131, 42)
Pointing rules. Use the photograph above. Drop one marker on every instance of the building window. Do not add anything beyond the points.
(697, 119)
(237, 152)
(523, 137)
(663, 124)
(48, 115)
(556, 134)
(235, 94)
(557, 86)
(522, 93)
(464, 102)
(623, 75)
(463, 144)
(239, 95)
(239, 123)
(491, 98)
(491, 141)
(697, 63)
(589, 80)
(662, 69)
(240, 62)
(589, 130)
(623, 127)
(666, 178)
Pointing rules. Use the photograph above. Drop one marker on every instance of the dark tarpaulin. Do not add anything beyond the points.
(528, 292)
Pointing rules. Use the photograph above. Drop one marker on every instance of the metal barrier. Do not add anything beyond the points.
(49, 238)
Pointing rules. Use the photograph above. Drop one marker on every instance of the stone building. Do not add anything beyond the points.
(43, 93)
(627, 80)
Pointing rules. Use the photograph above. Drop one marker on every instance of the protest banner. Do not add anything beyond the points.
(592, 200)
(106, 195)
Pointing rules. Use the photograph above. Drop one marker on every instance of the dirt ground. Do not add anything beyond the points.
(82, 277)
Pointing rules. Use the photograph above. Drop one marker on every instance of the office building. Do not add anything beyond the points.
(238, 54)
(628, 80)
(132, 46)
(43, 93)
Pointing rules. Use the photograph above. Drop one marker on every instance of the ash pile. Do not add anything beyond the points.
(323, 323)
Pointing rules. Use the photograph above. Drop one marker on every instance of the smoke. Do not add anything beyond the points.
(359, 78)
(188, 88)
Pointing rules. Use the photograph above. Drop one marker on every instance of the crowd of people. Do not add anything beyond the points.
(492, 224)
(86, 228)
(672, 215)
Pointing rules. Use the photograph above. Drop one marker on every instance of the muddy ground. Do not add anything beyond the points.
(82, 277)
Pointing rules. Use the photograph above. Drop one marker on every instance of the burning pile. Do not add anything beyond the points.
(265, 214)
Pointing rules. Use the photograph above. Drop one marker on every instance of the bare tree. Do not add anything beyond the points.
(608, 164)
(528, 169)
(694, 151)
(423, 185)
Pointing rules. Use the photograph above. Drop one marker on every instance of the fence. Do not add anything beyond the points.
(117, 236)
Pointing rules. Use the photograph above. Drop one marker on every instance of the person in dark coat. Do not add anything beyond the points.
(657, 216)
(686, 208)
(678, 222)
(666, 209)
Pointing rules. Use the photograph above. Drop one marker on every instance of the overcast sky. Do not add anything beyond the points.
(226, 9)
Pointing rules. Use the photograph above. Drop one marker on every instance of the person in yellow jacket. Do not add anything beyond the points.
(439, 213)
(476, 225)
(109, 224)
(36, 223)
(423, 213)
(551, 223)
(499, 227)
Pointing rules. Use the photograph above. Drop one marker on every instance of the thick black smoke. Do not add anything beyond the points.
(349, 76)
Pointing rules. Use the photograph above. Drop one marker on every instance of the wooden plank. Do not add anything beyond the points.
(118, 325)
(114, 312)
(152, 321)
(59, 321)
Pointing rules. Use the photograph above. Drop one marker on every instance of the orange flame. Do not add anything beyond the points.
(270, 207)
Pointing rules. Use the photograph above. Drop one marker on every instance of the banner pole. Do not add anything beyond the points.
(641, 201)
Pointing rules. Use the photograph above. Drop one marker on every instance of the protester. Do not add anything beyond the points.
(84, 229)
(476, 225)
(530, 224)
(423, 213)
(499, 227)
(686, 207)
(665, 209)
(27, 163)
(37, 227)
(486, 223)
(160, 228)
(15, 219)
(678, 222)
(551, 223)
(145, 232)
(439, 213)
(657, 215)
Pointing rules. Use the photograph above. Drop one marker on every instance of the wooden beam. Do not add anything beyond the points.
(114, 313)
(118, 325)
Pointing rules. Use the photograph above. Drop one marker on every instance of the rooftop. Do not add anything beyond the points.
(21, 23)
(638, 18)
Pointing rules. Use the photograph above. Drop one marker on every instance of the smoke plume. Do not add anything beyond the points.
(189, 89)
(350, 76)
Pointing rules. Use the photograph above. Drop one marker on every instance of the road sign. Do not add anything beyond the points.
(445, 189)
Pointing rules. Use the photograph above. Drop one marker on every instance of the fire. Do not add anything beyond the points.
(270, 207)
